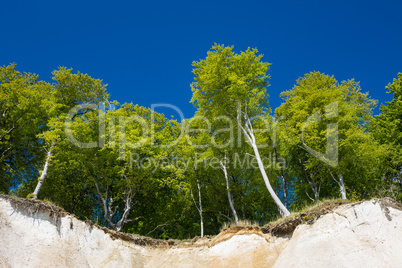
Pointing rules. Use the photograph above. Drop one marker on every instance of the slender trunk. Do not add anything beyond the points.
(199, 201)
(109, 213)
(315, 188)
(127, 208)
(199, 207)
(108, 207)
(248, 132)
(342, 186)
(312, 182)
(43, 175)
(285, 190)
(283, 210)
(316, 195)
(230, 197)
(308, 195)
(340, 183)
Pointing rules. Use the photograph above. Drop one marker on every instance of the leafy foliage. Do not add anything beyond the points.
(132, 169)
(388, 130)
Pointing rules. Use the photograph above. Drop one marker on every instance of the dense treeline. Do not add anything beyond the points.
(132, 169)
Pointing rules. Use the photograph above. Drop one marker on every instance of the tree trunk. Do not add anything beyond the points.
(316, 194)
(230, 197)
(248, 132)
(199, 201)
(199, 207)
(108, 209)
(315, 188)
(312, 182)
(285, 190)
(282, 209)
(43, 175)
(342, 186)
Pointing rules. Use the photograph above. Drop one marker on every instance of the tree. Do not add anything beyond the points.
(69, 91)
(387, 129)
(24, 101)
(229, 84)
(207, 134)
(324, 126)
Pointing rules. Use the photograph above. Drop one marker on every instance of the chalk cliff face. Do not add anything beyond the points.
(367, 234)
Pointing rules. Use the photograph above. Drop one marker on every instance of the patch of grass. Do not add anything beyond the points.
(47, 201)
(307, 215)
(241, 223)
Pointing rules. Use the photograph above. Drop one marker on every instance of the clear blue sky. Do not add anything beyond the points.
(144, 50)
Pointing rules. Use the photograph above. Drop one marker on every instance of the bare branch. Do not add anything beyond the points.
(192, 195)
(132, 220)
(160, 225)
(308, 195)
(218, 212)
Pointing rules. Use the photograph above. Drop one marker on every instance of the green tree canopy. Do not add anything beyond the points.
(24, 105)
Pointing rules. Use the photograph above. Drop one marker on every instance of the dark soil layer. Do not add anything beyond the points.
(32, 207)
(278, 228)
(289, 225)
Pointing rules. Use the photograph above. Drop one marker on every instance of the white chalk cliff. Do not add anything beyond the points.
(365, 234)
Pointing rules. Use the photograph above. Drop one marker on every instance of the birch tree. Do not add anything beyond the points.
(198, 205)
(324, 128)
(234, 85)
(24, 102)
(230, 196)
(68, 91)
(387, 129)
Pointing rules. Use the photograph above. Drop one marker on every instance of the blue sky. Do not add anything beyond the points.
(144, 50)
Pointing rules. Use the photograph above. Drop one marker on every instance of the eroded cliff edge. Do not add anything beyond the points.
(364, 234)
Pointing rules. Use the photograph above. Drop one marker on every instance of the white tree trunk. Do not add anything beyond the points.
(312, 182)
(285, 190)
(247, 129)
(342, 186)
(316, 195)
(316, 189)
(199, 201)
(43, 175)
(282, 209)
(248, 132)
(230, 197)
(108, 209)
(199, 207)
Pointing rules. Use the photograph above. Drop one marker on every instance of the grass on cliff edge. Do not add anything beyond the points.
(306, 215)
(281, 226)
(319, 206)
